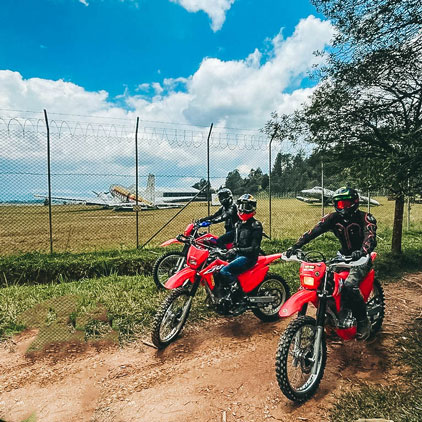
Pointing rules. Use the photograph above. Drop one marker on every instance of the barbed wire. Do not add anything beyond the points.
(190, 137)
(175, 176)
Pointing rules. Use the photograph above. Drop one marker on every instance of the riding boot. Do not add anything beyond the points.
(236, 292)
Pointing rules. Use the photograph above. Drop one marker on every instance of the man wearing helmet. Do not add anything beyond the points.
(246, 241)
(227, 213)
(356, 231)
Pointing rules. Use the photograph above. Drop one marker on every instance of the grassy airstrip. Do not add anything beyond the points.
(78, 228)
(67, 297)
(96, 283)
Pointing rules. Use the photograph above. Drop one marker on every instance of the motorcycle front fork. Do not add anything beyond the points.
(320, 322)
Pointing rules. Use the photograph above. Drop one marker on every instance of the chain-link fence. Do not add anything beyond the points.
(78, 183)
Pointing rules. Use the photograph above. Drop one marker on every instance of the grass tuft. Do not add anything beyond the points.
(400, 403)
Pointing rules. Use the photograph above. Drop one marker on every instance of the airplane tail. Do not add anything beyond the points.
(150, 190)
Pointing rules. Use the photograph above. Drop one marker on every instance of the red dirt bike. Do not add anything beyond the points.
(261, 292)
(302, 351)
(172, 262)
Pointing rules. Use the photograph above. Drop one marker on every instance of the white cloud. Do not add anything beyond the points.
(215, 9)
(84, 2)
(237, 93)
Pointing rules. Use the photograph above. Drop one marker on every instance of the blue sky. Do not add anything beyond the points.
(190, 62)
(116, 45)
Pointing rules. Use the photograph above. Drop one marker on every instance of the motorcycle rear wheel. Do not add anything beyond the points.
(294, 360)
(166, 266)
(272, 285)
(171, 317)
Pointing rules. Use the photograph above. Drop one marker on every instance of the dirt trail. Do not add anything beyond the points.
(221, 371)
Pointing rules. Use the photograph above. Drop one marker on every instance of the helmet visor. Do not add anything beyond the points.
(245, 207)
(344, 204)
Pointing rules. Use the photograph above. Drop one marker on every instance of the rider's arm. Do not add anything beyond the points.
(213, 218)
(225, 214)
(370, 233)
(255, 244)
(323, 226)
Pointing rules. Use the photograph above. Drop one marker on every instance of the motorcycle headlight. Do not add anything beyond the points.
(308, 281)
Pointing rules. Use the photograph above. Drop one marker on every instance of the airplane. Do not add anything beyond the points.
(313, 196)
(120, 198)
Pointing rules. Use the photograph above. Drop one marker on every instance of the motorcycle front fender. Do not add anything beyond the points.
(295, 303)
(169, 242)
(179, 278)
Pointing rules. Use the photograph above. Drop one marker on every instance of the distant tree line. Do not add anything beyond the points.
(290, 173)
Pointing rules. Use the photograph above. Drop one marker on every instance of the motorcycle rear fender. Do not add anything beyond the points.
(252, 278)
(295, 303)
(169, 242)
(179, 278)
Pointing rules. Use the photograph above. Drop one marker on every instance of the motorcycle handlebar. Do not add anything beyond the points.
(339, 260)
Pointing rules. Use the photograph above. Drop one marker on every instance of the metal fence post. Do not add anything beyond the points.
(49, 181)
(322, 186)
(208, 170)
(137, 182)
(269, 178)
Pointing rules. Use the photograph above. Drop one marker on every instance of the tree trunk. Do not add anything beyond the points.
(398, 225)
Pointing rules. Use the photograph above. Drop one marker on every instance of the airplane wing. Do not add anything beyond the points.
(83, 201)
(308, 200)
(371, 201)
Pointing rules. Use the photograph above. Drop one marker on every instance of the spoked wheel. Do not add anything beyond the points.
(297, 375)
(171, 317)
(375, 306)
(166, 266)
(273, 285)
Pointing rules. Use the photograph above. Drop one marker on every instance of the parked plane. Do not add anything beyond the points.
(314, 195)
(122, 198)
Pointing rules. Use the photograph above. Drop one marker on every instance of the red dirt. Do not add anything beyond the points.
(220, 371)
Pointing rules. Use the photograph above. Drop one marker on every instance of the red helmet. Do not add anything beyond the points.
(246, 207)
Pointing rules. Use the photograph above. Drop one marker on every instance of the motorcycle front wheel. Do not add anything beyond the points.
(297, 376)
(171, 317)
(273, 285)
(166, 266)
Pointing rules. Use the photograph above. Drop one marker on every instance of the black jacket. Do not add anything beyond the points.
(357, 232)
(247, 238)
(228, 215)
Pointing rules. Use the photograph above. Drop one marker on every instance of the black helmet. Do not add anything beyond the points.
(246, 203)
(225, 196)
(346, 201)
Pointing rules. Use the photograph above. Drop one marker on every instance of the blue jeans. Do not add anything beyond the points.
(236, 267)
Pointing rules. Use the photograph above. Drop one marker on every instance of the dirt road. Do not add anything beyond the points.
(220, 371)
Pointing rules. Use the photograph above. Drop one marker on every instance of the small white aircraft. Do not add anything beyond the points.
(314, 195)
(121, 198)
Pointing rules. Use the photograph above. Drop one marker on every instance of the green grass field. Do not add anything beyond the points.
(79, 228)
(118, 308)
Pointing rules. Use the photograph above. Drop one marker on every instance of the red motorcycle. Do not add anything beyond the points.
(261, 292)
(302, 351)
(172, 262)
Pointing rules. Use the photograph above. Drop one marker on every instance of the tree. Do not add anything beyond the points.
(366, 114)
(203, 184)
(234, 182)
(252, 184)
